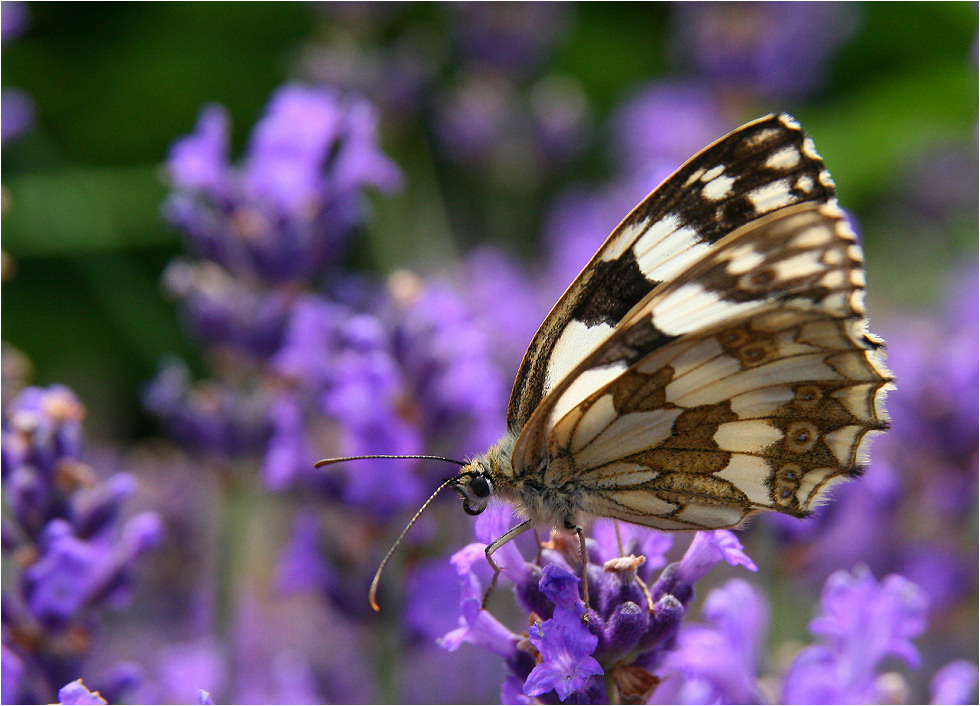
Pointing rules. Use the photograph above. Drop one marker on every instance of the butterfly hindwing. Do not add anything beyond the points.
(747, 383)
(763, 166)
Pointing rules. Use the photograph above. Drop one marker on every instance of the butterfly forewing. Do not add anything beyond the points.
(747, 383)
(763, 166)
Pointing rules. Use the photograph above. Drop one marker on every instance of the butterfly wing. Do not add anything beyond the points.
(747, 383)
(763, 166)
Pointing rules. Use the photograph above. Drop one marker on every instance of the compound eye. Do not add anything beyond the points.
(480, 487)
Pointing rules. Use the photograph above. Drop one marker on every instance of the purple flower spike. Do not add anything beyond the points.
(12, 672)
(772, 49)
(708, 549)
(561, 587)
(77, 694)
(284, 215)
(566, 647)
(662, 125)
(717, 660)
(476, 626)
(199, 162)
(43, 428)
(956, 683)
(13, 19)
(17, 111)
(74, 552)
(863, 622)
(884, 616)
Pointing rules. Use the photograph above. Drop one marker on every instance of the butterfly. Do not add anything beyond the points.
(711, 362)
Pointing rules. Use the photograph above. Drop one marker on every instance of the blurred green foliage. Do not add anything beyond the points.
(115, 83)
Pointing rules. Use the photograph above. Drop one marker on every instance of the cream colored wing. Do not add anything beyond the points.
(747, 383)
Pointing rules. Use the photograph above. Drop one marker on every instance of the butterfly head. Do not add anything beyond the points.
(475, 487)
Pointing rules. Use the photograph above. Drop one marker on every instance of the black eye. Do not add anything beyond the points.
(480, 487)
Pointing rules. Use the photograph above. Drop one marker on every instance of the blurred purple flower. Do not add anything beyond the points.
(490, 276)
(484, 122)
(560, 116)
(77, 694)
(956, 683)
(12, 673)
(397, 77)
(459, 391)
(862, 623)
(72, 549)
(286, 212)
(342, 365)
(16, 106)
(415, 377)
(776, 50)
(14, 16)
(16, 113)
(939, 186)
(661, 125)
(214, 416)
(514, 37)
(72, 573)
(42, 428)
(716, 662)
(475, 116)
(227, 312)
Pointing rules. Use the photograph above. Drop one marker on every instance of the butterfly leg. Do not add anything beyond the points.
(508, 536)
(537, 540)
(646, 593)
(584, 556)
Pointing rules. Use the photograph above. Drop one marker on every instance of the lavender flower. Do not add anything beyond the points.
(12, 672)
(772, 50)
(13, 19)
(487, 123)
(955, 683)
(227, 313)
(267, 229)
(214, 416)
(630, 628)
(77, 694)
(16, 106)
(863, 622)
(513, 37)
(564, 642)
(397, 77)
(661, 125)
(717, 662)
(17, 111)
(287, 211)
(418, 371)
(75, 554)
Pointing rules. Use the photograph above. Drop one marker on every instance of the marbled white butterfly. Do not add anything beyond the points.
(712, 360)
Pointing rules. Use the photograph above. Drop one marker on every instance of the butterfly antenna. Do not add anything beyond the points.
(384, 562)
(372, 594)
(328, 461)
